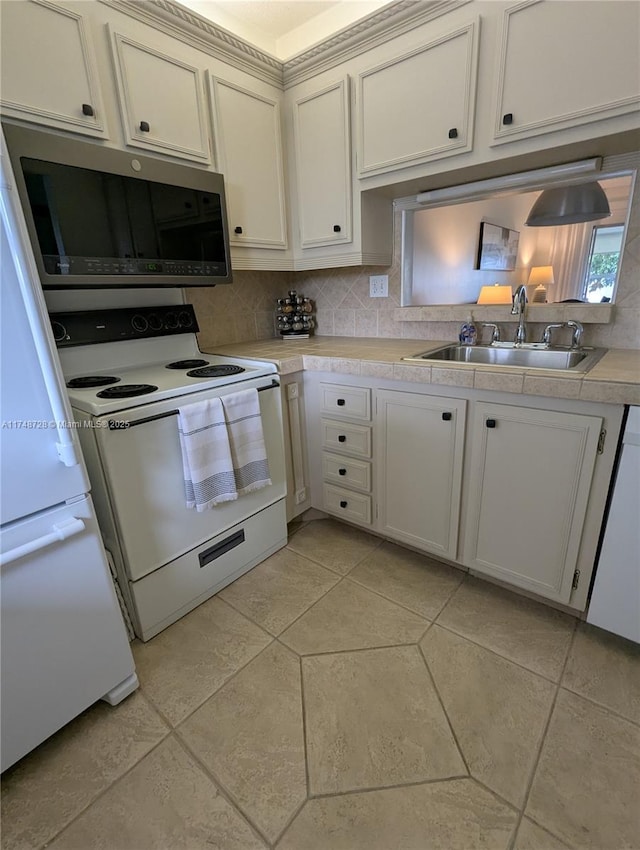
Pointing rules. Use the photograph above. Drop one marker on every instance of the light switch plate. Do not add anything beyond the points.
(378, 286)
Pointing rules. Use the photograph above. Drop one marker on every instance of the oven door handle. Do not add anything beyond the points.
(124, 425)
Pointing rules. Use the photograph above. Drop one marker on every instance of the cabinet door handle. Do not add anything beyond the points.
(342, 471)
(342, 438)
(491, 423)
(87, 109)
(446, 416)
(453, 133)
(144, 126)
(336, 228)
(343, 504)
(341, 402)
(507, 118)
(237, 230)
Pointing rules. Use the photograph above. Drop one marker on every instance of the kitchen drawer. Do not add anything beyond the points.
(347, 472)
(354, 507)
(346, 438)
(352, 402)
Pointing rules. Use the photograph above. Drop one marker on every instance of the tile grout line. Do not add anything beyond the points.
(388, 598)
(354, 649)
(442, 706)
(601, 706)
(543, 738)
(101, 794)
(221, 787)
(349, 792)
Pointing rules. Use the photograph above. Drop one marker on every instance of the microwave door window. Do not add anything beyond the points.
(118, 213)
(145, 242)
(46, 221)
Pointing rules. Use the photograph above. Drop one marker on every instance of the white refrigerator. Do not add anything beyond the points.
(63, 643)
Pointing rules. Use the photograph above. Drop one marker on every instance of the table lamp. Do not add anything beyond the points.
(496, 294)
(540, 277)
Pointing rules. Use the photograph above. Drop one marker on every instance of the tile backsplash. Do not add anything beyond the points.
(245, 310)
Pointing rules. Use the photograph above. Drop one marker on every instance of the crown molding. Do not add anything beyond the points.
(369, 32)
(196, 31)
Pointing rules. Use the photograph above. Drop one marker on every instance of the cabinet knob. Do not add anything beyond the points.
(144, 126)
(491, 423)
(507, 118)
(87, 109)
(341, 402)
(342, 471)
(336, 228)
(342, 438)
(237, 230)
(446, 416)
(343, 504)
(453, 133)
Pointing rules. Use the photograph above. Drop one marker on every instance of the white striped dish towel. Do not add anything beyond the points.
(248, 451)
(206, 455)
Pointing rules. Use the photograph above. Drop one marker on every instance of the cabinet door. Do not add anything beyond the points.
(248, 146)
(529, 488)
(323, 165)
(419, 106)
(48, 68)
(420, 466)
(161, 101)
(556, 72)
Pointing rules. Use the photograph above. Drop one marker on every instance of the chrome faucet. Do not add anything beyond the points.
(517, 309)
(546, 336)
(495, 333)
(578, 330)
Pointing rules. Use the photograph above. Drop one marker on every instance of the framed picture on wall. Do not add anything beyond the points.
(497, 248)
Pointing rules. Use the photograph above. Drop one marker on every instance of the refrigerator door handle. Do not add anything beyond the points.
(61, 531)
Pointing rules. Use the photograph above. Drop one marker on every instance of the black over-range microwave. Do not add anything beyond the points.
(101, 218)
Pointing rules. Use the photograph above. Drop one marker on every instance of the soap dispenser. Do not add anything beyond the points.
(468, 332)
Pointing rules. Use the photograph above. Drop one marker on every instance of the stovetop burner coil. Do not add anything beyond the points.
(220, 371)
(186, 364)
(88, 381)
(127, 391)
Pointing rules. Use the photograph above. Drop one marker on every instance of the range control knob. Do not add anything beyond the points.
(59, 331)
(185, 319)
(155, 322)
(139, 323)
(171, 321)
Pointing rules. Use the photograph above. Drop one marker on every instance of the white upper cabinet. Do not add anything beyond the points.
(323, 165)
(557, 70)
(529, 488)
(161, 100)
(419, 106)
(248, 148)
(49, 72)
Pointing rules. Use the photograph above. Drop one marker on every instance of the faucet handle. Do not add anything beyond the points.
(495, 333)
(546, 335)
(578, 330)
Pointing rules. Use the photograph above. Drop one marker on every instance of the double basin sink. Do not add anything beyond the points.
(525, 355)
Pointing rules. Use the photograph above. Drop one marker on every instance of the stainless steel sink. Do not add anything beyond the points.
(527, 355)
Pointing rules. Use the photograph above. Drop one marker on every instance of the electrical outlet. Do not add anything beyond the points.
(378, 285)
(301, 496)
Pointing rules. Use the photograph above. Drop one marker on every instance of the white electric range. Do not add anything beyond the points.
(127, 372)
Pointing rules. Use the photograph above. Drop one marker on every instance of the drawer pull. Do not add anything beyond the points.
(342, 438)
(507, 118)
(341, 402)
(343, 504)
(342, 471)
(336, 228)
(453, 133)
(237, 230)
(446, 416)
(87, 109)
(144, 126)
(491, 423)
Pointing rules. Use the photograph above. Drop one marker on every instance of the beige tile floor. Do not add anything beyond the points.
(348, 694)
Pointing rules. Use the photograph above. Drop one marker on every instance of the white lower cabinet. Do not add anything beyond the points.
(420, 453)
(528, 492)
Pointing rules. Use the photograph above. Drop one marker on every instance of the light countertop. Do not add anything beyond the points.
(615, 379)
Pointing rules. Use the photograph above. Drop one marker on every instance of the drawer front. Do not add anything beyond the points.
(354, 507)
(347, 438)
(352, 402)
(346, 472)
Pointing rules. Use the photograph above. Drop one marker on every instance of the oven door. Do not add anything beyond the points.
(142, 465)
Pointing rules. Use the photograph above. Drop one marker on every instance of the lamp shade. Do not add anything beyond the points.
(569, 205)
(495, 294)
(540, 276)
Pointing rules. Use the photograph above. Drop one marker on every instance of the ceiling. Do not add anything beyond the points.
(284, 27)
